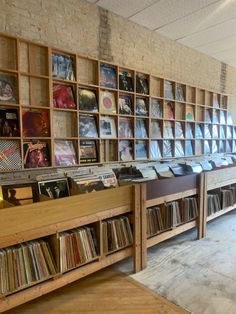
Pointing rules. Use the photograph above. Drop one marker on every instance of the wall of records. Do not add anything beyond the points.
(63, 109)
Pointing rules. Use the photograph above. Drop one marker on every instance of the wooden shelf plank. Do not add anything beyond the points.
(220, 213)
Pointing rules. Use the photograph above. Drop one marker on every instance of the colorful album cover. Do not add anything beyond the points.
(54, 189)
(88, 100)
(87, 126)
(222, 117)
(141, 150)
(207, 149)
(169, 91)
(141, 130)
(214, 147)
(20, 193)
(188, 148)
(88, 151)
(156, 129)
(10, 156)
(35, 123)
(179, 133)
(199, 133)
(142, 85)
(156, 108)
(215, 133)
(169, 110)
(108, 76)
(215, 116)
(125, 104)
(155, 151)
(167, 148)
(207, 132)
(125, 128)
(107, 127)
(126, 150)
(63, 97)
(189, 130)
(180, 92)
(8, 89)
(36, 154)
(179, 150)
(141, 107)
(125, 81)
(189, 114)
(168, 129)
(63, 67)
(107, 102)
(9, 123)
(198, 147)
(216, 100)
(222, 132)
(65, 154)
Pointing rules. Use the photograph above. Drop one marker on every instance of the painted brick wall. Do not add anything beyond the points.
(86, 29)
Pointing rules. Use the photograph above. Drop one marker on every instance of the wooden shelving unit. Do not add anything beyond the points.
(213, 182)
(49, 219)
(163, 118)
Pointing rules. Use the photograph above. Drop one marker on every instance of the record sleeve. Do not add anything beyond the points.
(215, 116)
(126, 150)
(179, 150)
(169, 110)
(207, 131)
(215, 133)
(125, 128)
(222, 132)
(229, 132)
(179, 130)
(20, 193)
(156, 108)
(125, 81)
(189, 131)
(188, 148)
(107, 127)
(156, 129)
(64, 152)
(199, 133)
(155, 152)
(54, 188)
(125, 104)
(88, 151)
(214, 147)
(141, 150)
(198, 147)
(222, 117)
(180, 92)
(207, 116)
(87, 126)
(189, 114)
(36, 154)
(167, 148)
(88, 100)
(63, 67)
(141, 107)
(207, 149)
(108, 76)
(228, 147)
(229, 119)
(35, 123)
(215, 100)
(141, 131)
(142, 85)
(8, 88)
(169, 90)
(63, 97)
(168, 129)
(107, 102)
(10, 156)
(221, 147)
(9, 123)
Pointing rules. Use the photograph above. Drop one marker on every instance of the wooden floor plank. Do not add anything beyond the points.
(107, 291)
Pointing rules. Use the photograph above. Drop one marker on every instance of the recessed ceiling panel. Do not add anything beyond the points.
(166, 11)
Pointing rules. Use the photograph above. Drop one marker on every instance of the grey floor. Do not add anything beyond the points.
(198, 275)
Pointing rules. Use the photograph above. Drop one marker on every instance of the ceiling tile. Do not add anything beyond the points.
(209, 16)
(166, 11)
(125, 8)
(219, 45)
(225, 54)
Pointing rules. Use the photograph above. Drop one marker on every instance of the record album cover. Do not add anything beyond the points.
(141, 130)
(156, 129)
(155, 151)
(107, 127)
(141, 107)
(169, 90)
(10, 156)
(141, 150)
(54, 189)
(8, 88)
(125, 104)
(88, 151)
(125, 128)
(87, 126)
(108, 76)
(199, 133)
(126, 150)
(156, 108)
(63, 67)
(168, 129)
(65, 154)
(169, 110)
(189, 115)
(107, 102)
(179, 130)
(88, 100)
(125, 81)
(35, 123)
(167, 148)
(142, 85)
(180, 92)
(36, 154)
(20, 193)
(63, 97)
(188, 148)
(179, 149)
(9, 123)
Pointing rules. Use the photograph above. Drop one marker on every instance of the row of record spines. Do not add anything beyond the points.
(218, 200)
(25, 264)
(117, 234)
(169, 215)
(77, 246)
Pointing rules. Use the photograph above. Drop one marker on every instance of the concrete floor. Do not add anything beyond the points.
(198, 275)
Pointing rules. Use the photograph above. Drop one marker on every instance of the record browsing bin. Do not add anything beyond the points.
(87, 111)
